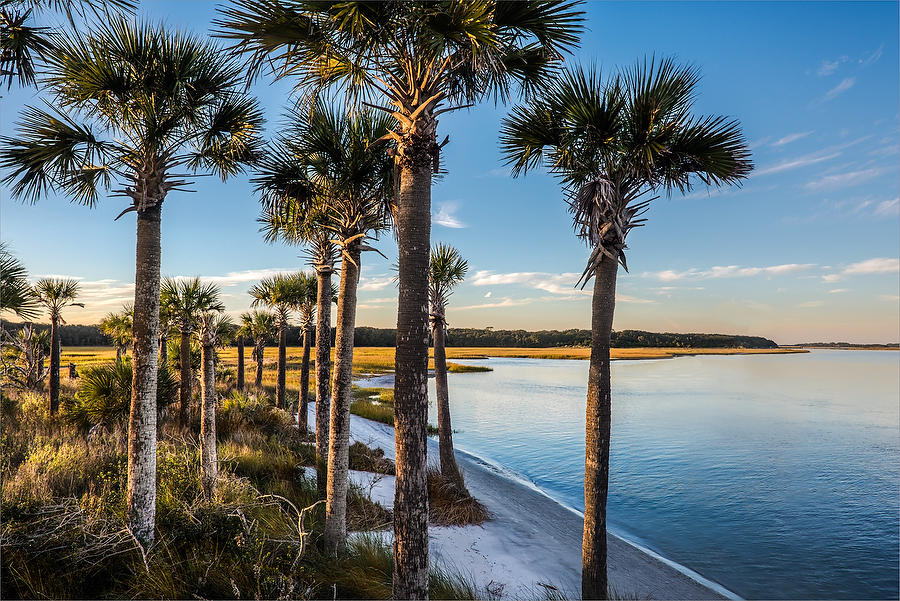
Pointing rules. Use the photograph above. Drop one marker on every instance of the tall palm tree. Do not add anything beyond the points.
(447, 269)
(15, 291)
(22, 42)
(214, 329)
(330, 168)
(417, 60)
(282, 293)
(322, 254)
(306, 308)
(55, 295)
(613, 144)
(156, 102)
(118, 328)
(240, 337)
(186, 301)
(260, 327)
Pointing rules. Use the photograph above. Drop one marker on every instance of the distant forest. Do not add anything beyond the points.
(77, 335)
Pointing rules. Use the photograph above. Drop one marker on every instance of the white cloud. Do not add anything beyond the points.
(842, 180)
(889, 297)
(888, 207)
(624, 298)
(504, 302)
(803, 161)
(554, 283)
(867, 267)
(234, 278)
(446, 216)
(872, 58)
(488, 295)
(846, 84)
(791, 138)
(838, 291)
(727, 271)
(828, 67)
(375, 282)
(811, 304)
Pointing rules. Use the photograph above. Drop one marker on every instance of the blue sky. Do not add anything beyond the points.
(806, 250)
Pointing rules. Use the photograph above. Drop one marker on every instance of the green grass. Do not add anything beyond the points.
(380, 409)
(459, 368)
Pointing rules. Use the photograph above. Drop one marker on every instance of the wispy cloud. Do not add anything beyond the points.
(842, 180)
(811, 304)
(446, 215)
(888, 207)
(828, 67)
(838, 291)
(867, 267)
(727, 271)
(846, 84)
(802, 161)
(378, 282)
(872, 58)
(889, 297)
(234, 278)
(554, 283)
(791, 138)
(503, 302)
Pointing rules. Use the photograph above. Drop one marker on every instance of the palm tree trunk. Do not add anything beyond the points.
(240, 365)
(339, 445)
(260, 354)
(140, 499)
(323, 374)
(303, 409)
(208, 458)
(282, 360)
(597, 432)
(411, 381)
(187, 376)
(54, 364)
(449, 469)
(163, 347)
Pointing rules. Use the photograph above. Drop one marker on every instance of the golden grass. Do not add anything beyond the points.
(367, 360)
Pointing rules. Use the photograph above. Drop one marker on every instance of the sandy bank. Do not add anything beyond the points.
(531, 542)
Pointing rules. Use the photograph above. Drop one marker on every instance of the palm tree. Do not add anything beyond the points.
(214, 329)
(447, 269)
(165, 324)
(613, 144)
(240, 336)
(21, 42)
(15, 291)
(156, 102)
(420, 59)
(259, 327)
(281, 293)
(55, 295)
(321, 253)
(330, 169)
(186, 301)
(118, 328)
(306, 307)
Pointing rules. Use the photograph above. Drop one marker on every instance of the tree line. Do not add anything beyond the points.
(90, 335)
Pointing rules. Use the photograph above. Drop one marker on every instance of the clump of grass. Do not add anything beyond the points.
(459, 368)
(450, 506)
(367, 459)
(379, 409)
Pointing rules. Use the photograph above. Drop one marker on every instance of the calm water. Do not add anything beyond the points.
(775, 475)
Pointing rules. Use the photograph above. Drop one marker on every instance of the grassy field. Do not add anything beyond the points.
(374, 360)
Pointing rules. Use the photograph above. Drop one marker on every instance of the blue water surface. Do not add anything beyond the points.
(774, 475)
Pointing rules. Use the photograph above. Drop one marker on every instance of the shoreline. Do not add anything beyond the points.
(530, 528)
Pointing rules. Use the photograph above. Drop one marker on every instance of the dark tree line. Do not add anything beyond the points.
(79, 335)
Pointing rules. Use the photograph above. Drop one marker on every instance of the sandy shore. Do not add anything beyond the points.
(531, 542)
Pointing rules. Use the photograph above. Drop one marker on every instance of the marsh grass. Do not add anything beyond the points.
(450, 506)
(377, 404)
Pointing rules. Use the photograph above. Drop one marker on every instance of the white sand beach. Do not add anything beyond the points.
(531, 542)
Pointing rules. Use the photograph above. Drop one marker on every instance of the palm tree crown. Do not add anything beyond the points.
(446, 269)
(281, 293)
(154, 102)
(187, 300)
(257, 325)
(15, 291)
(55, 295)
(614, 143)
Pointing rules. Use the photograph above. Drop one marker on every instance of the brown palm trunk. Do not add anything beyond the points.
(240, 365)
(208, 459)
(282, 360)
(449, 469)
(411, 381)
(303, 409)
(140, 499)
(187, 376)
(594, 583)
(323, 374)
(54, 364)
(339, 445)
(260, 355)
